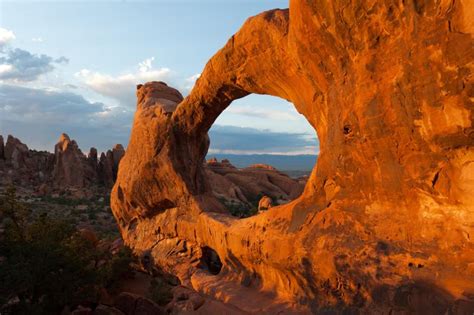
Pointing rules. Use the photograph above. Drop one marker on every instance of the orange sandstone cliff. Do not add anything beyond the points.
(386, 220)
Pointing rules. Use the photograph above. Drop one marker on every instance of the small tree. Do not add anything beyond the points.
(45, 263)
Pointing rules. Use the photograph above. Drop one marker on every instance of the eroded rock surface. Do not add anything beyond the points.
(265, 203)
(71, 167)
(386, 221)
(2, 148)
(66, 168)
(16, 152)
(245, 186)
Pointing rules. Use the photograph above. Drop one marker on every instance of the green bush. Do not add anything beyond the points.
(160, 292)
(117, 268)
(238, 209)
(45, 263)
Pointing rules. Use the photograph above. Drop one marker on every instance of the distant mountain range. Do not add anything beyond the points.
(287, 163)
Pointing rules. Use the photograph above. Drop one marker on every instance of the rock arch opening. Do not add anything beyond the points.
(261, 154)
(210, 261)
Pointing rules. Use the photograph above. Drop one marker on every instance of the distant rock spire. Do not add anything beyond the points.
(2, 148)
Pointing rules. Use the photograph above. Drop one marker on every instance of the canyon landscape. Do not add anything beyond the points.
(383, 224)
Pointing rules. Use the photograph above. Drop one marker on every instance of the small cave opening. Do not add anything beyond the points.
(261, 154)
(210, 261)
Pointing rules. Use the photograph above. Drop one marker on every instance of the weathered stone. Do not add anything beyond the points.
(92, 156)
(388, 88)
(2, 148)
(125, 302)
(16, 152)
(265, 203)
(107, 310)
(132, 304)
(105, 169)
(247, 185)
(117, 153)
(82, 311)
(71, 168)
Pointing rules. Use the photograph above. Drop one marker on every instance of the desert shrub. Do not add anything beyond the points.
(117, 268)
(160, 291)
(241, 210)
(238, 209)
(92, 215)
(45, 263)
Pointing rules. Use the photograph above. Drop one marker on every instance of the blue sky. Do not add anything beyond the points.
(72, 66)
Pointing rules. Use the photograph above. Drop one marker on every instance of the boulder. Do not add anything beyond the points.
(90, 235)
(132, 304)
(265, 203)
(81, 310)
(185, 299)
(44, 189)
(107, 310)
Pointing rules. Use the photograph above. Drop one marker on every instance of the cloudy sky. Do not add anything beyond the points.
(72, 66)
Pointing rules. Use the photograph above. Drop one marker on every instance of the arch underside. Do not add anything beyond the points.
(387, 210)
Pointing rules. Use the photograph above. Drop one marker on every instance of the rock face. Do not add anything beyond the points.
(265, 203)
(71, 167)
(117, 153)
(386, 221)
(16, 152)
(2, 148)
(246, 186)
(105, 169)
(67, 168)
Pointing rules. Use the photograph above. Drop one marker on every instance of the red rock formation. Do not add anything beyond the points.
(92, 156)
(265, 203)
(16, 152)
(385, 223)
(66, 168)
(2, 148)
(246, 186)
(251, 183)
(106, 169)
(117, 153)
(263, 166)
(71, 168)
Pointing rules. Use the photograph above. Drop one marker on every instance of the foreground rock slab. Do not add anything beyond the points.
(386, 221)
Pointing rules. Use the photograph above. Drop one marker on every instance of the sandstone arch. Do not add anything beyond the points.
(386, 221)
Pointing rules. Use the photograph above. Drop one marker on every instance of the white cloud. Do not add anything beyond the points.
(62, 60)
(42, 114)
(5, 69)
(244, 140)
(18, 65)
(145, 65)
(6, 36)
(265, 114)
(122, 87)
(307, 151)
(37, 40)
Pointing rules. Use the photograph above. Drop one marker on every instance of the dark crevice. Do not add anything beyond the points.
(210, 261)
(435, 179)
(347, 130)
